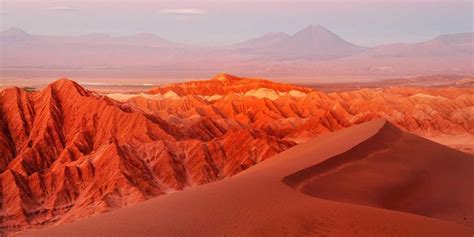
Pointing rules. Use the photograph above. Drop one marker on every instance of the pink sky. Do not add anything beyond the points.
(364, 22)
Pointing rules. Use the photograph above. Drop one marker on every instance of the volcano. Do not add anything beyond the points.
(312, 42)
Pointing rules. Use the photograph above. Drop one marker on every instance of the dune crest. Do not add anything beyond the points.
(257, 202)
(398, 171)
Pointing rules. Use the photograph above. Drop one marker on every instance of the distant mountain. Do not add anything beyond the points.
(314, 41)
(145, 39)
(320, 41)
(22, 49)
(14, 35)
(311, 51)
(450, 45)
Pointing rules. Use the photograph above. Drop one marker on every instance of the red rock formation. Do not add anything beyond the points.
(67, 153)
(224, 84)
(425, 111)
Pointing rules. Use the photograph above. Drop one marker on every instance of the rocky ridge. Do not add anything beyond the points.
(68, 153)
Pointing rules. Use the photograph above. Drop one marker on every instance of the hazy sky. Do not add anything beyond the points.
(365, 22)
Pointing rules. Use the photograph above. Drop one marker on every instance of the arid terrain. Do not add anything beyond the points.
(266, 199)
(244, 118)
(69, 152)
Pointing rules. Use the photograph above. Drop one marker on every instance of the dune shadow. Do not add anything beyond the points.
(398, 171)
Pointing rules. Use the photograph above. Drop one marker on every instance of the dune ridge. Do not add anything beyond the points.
(397, 171)
(258, 202)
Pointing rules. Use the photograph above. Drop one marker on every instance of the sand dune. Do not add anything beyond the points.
(257, 202)
(398, 171)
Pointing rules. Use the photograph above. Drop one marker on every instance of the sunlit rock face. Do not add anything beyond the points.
(67, 152)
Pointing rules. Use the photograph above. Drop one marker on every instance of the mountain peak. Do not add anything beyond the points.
(63, 80)
(15, 33)
(316, 27)
(225, 77)
(316, 30)
(318, 41)
(67, 85)
(148, 37)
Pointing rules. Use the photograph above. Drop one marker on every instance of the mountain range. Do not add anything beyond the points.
(312, 50)
(68, 152)
(313, 42)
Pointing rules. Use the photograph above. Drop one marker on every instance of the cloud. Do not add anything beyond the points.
(64, 9)
(182, 11)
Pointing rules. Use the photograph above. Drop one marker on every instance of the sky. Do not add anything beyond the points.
(220, 23)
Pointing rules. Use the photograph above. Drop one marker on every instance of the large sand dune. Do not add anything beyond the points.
(399, 171)
(257, 202)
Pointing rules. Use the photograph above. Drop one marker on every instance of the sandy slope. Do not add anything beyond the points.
(399, 171)
(257, 202)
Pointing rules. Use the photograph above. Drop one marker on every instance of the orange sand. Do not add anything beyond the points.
(256, 202)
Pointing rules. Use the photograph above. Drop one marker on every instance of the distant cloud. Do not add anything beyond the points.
(64, 9)
(182, 11)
